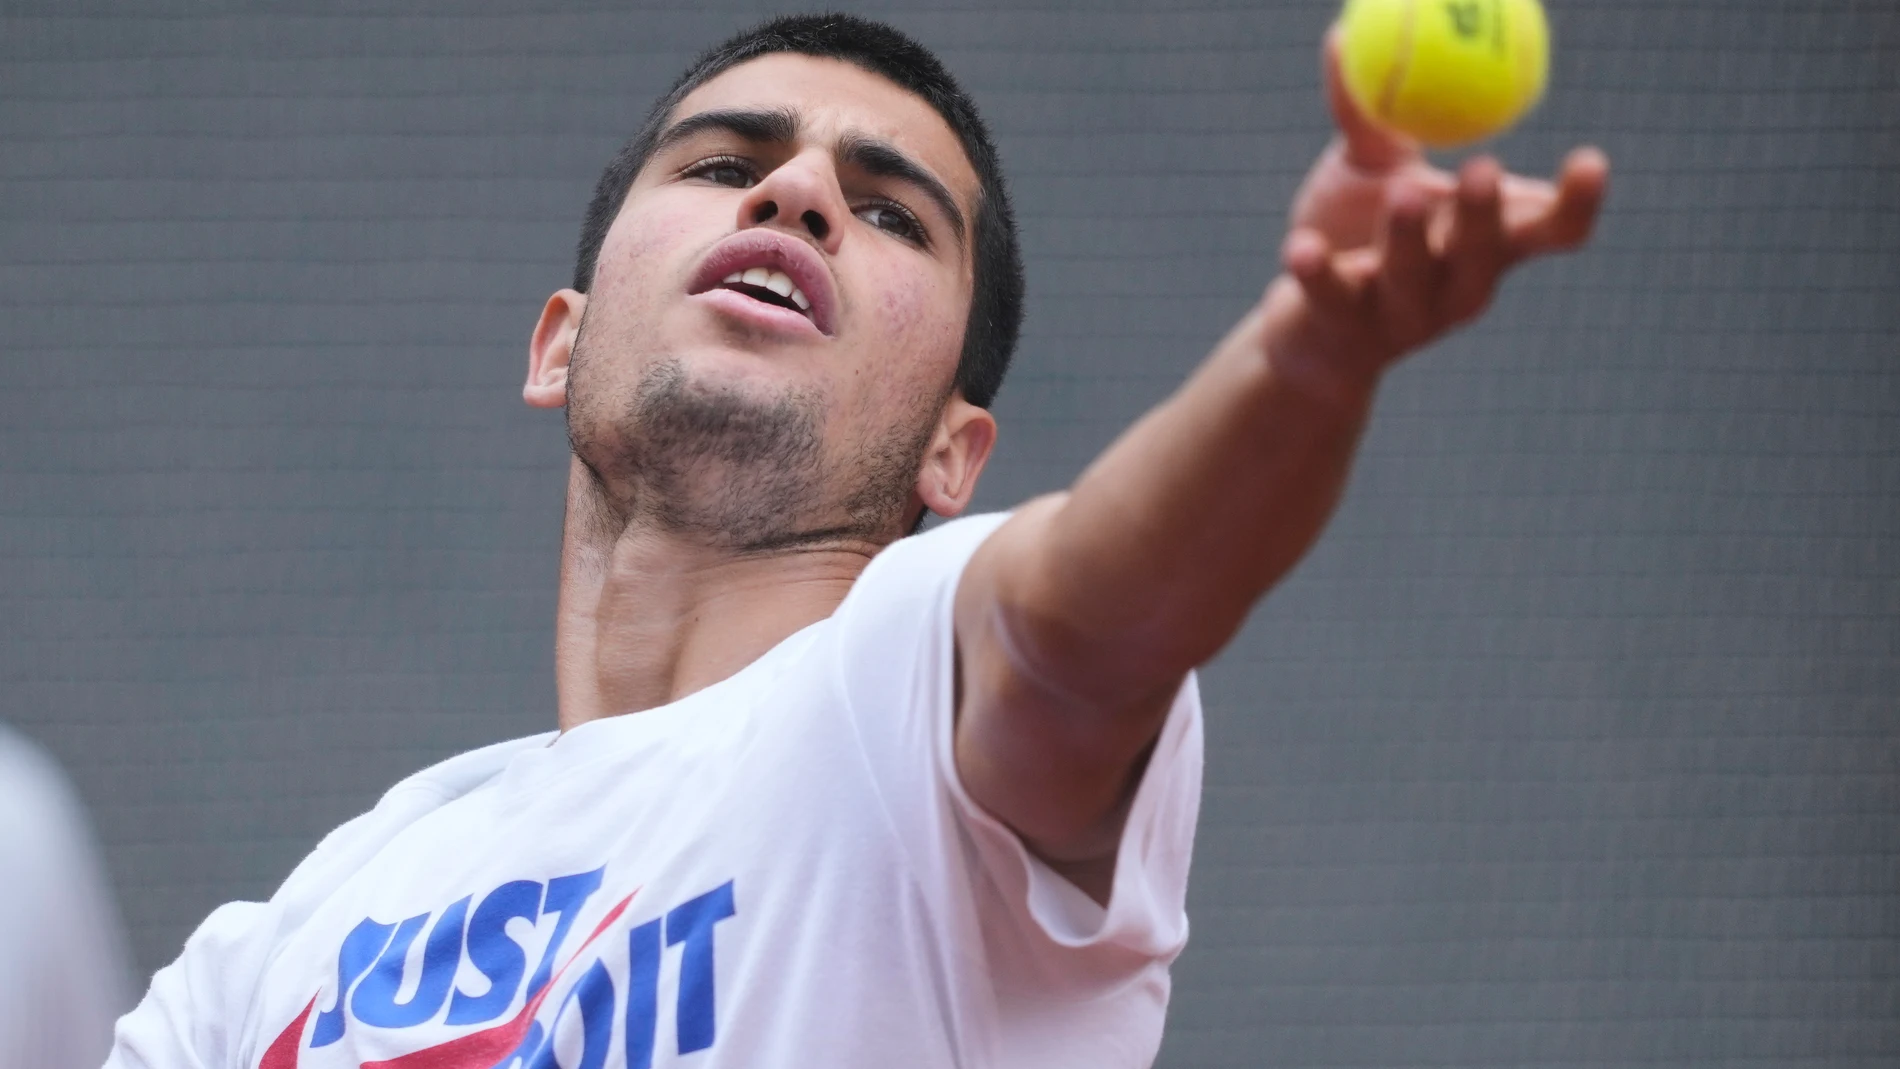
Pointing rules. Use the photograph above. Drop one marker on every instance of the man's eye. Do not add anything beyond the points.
(724, 171)
(891, 218)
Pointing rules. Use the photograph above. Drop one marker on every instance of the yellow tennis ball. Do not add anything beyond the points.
(1447, 72)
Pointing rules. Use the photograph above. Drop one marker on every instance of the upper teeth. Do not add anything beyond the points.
(777, 281)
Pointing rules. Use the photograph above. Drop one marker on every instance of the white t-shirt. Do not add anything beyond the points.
(779, 870)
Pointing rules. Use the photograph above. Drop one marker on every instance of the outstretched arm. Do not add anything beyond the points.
(1078, 619)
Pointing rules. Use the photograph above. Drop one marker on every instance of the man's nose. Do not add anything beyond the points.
(801, 194)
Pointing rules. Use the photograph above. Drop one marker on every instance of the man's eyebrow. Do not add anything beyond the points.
(781, 125)
(883, 159)
(759, 125)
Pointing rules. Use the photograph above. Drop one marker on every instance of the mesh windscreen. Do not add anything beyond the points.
(1574, 742)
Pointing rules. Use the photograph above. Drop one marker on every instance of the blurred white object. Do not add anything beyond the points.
(63, 967)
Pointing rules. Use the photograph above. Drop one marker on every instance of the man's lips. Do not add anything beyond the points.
(757, 313)
(757, 256)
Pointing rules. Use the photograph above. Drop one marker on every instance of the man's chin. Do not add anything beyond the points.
(748, 371)
(702, 398)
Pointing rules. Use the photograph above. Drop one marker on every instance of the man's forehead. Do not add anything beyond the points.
(833, 97)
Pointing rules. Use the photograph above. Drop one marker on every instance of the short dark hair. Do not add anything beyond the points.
(996, 305)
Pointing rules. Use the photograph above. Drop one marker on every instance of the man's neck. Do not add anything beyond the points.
(648, 616)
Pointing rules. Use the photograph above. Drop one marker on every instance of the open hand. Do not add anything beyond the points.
(1389, 251)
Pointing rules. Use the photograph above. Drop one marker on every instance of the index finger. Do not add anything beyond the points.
(1369, 146)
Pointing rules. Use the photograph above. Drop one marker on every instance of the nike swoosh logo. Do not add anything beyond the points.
(477, 1050)
(282, 1052)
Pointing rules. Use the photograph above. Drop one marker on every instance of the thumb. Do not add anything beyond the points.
(1368, 146)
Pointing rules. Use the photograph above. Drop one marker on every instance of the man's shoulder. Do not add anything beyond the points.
(412, 798)
(904, 595)
(938, 553)
(458, 775)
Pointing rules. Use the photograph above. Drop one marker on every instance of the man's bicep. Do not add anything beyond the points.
(1044, 741)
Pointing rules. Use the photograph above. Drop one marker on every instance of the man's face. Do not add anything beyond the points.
(694, 367)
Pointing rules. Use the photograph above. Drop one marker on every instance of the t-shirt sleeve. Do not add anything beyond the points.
(192, 1017)
(897, 650)
(195, 1014)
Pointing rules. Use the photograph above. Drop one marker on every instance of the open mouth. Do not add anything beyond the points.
(769, 286)
(771, 281)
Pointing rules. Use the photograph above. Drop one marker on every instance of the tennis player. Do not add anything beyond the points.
(822, 794)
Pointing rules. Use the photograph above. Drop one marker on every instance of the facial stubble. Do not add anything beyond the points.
(736, 469)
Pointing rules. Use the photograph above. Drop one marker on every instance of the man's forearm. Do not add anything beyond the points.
(1077, 620)
(1152, 562)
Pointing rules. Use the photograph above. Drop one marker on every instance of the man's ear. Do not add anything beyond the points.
(965, 436)
(551, 349)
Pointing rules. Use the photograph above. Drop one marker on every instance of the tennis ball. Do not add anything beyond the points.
(1447, 72)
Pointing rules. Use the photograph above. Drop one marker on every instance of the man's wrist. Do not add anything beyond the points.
(1331, 366)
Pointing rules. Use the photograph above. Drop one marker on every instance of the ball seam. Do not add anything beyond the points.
(1401, 64)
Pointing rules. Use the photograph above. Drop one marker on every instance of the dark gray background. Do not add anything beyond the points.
(1573, 743)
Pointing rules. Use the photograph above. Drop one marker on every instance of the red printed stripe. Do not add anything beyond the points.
(282, 1052)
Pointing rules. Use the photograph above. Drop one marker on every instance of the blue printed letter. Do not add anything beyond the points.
(360, 948)
(565, 896)
(375, 1000)
(491, 950)
(643, 993)
(692, 924)
(595, 996)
